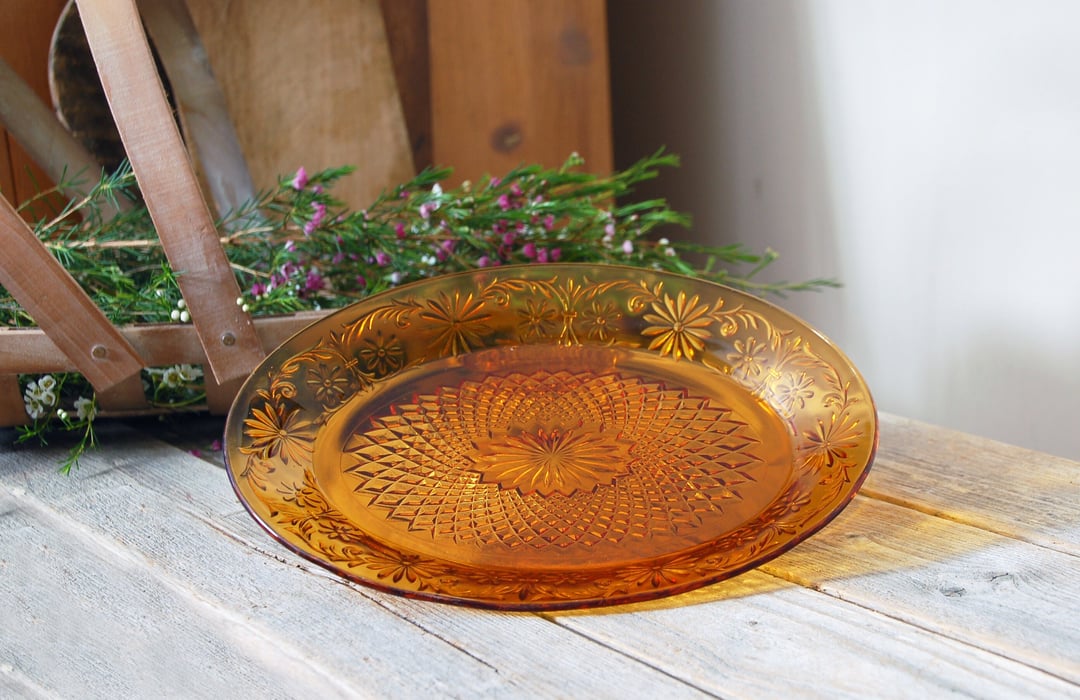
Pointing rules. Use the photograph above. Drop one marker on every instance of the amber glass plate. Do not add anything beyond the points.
(550, 436)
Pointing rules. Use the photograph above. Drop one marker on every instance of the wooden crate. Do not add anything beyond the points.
(74, 336)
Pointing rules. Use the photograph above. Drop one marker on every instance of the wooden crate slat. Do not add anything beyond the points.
(557, 52)
(12, 409)
(60, 307)
(169, 186)
(30, 351)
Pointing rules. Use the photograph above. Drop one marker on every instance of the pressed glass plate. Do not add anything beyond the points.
(550, 436)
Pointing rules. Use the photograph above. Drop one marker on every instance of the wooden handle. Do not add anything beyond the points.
(65, 313)
(200, 102)
(46, 140)
(169, 186)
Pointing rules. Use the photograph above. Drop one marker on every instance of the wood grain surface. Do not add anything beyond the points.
(25, 29)
(309, 84)
(519, 81)
(143, 574)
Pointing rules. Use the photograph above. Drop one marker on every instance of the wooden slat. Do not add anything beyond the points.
(37, 130)
(7, 180)
(407, 35)
(309, 84)
(12, 407)
(64, 312)
(200, 102)
(168, 184)
(25, 31)
(519, 81)
(1005, 489)
(29, 350)
(961, 582)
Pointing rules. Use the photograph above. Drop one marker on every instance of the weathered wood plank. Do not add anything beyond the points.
(993, 592)
(24, 43)
(861, 637)
(86, 626)
(519, 81)
(886, 601)
(794, 642)
(183, 537)
(309, 84)
(990, 485)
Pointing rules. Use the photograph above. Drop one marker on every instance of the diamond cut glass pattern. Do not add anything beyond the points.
(550, 436)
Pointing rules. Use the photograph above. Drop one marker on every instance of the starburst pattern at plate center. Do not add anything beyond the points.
(550, 461)
(552, 458)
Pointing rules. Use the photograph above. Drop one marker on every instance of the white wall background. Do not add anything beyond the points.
(926, 153)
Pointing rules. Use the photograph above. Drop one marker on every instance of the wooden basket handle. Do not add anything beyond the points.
(66, 314)
(169, 186)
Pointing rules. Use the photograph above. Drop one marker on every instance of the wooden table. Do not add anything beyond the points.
(955, 572)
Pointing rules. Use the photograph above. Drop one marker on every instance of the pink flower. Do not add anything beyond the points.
(628, 246)
(314, 281)
(316, 218)
(216, 445)
(542, 255)
(529, 250)
(399, 231)
(426, 208)
(504, 201)
(382, 259)
(483, 261)
(556, 253)
(300, 180)
(549, 222)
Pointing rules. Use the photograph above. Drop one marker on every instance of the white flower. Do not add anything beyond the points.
(189, 373)
(436, 190)
(85, 408)
(61, 414)
(172, 377)
(184, 317)
(46, 382)
(35, 410)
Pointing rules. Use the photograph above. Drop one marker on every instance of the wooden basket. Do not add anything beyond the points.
(73, 335)
(426, 101)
